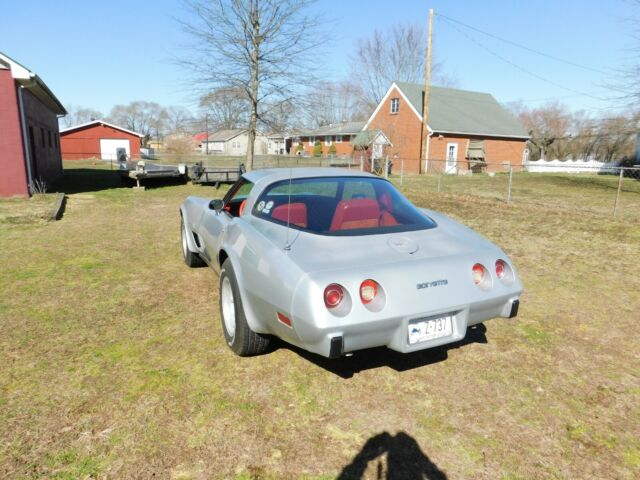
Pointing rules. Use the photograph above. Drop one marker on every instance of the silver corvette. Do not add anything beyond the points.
(335, 261)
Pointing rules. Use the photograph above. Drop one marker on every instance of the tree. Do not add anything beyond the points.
(178, 120)
(549, 127)
(258, 47)
(227, 108)
(146, 118)
(397, 54)
(78, 115)
(335, 102)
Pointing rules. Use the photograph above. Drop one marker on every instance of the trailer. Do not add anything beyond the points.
(217, 175)
(143, 170)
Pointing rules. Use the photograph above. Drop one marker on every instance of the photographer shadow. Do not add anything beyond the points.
(404, 460)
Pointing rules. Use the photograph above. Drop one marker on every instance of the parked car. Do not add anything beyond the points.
(335, 261)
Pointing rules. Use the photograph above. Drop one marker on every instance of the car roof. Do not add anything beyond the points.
(271, 175)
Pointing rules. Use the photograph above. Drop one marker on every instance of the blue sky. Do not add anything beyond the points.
(98, 54)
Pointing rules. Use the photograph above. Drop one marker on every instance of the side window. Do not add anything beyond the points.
(234, 200)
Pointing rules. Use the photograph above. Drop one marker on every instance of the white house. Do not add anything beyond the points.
(233, 142)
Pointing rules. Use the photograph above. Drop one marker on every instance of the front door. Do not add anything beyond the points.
(452, 158)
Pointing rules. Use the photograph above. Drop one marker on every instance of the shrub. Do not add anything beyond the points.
(332, 149)
(317, 149)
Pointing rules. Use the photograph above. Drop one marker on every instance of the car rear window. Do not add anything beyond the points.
(340, 206)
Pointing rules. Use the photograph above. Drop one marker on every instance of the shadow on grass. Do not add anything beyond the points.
(404, 460)
(362, 360)
(82, 180)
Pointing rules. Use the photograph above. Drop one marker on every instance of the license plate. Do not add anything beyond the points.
(430, 329)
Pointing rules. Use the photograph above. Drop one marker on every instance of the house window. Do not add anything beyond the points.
(338, 138)
(327, 140)
(312, 140)
(236, 145)
(395, 105)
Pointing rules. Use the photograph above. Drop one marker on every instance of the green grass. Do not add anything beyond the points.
(114, 364)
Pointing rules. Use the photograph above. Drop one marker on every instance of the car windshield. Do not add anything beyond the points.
(340, 206)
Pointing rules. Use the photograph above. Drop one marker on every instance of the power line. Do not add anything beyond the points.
(524, 47)
(522, 69)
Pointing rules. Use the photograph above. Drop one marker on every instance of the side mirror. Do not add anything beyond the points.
(216, 204)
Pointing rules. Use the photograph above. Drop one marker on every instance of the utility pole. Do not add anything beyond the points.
(206, 126)
(425, 100)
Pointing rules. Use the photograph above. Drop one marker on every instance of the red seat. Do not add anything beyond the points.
(356, 213)
(296, 214)
(386, 205)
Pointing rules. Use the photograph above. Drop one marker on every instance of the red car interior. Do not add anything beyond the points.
(296, 213)
(356, 213)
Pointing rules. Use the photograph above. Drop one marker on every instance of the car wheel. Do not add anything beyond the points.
(237, 333)
(192, 259)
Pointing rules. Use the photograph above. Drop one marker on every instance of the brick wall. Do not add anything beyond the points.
(498, 152)
(13, 178)
(342, 148)
(403, 129)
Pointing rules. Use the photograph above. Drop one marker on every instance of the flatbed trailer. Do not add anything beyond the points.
(217, 175)
(142, 170)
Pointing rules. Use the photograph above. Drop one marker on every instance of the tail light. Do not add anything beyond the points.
(504, 272)
(501, 269)
(333, 295)
(481, 276)
(368, 291)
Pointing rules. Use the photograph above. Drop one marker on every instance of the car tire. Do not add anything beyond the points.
(237, 333)
(192, 259)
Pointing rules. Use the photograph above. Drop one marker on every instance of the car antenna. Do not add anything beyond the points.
(287, 246)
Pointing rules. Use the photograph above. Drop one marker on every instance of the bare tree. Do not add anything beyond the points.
(178, 120)
(335, 102)
(397, 54)
(146, 118)
(78, 115)
(548, 126)
(227, 108)
(259, 47)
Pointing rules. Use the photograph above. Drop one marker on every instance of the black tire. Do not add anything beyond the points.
(192, 259)
(242, 340)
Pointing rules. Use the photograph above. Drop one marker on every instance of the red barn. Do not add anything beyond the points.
(29, 136)
(99, 139)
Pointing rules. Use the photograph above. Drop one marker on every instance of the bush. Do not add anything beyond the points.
(332, 149)
(317, 149)
(300, 147)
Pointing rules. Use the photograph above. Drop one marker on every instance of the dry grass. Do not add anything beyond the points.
(114, 364)
(36, 209)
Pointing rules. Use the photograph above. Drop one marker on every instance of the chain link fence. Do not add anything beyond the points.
(605, 189)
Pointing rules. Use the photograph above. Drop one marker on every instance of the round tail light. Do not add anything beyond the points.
(478, 272)
(333, 295)
(368, 291)
(501, 269)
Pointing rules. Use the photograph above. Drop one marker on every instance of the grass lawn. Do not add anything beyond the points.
(114, 364)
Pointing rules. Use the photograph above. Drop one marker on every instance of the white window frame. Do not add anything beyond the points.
(312, 141)
(395, 101)
(235, 144)
(328, 140)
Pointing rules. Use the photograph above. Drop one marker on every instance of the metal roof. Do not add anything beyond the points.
(346, 128)
(32, 82)
(461, 111)
(99, 122)
(225, 135)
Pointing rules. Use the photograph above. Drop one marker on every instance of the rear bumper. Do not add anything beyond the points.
(347, 335)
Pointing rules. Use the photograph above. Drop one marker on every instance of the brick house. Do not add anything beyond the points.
(467, 130)
(341, 135)
(99, 139)
(29, 136)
